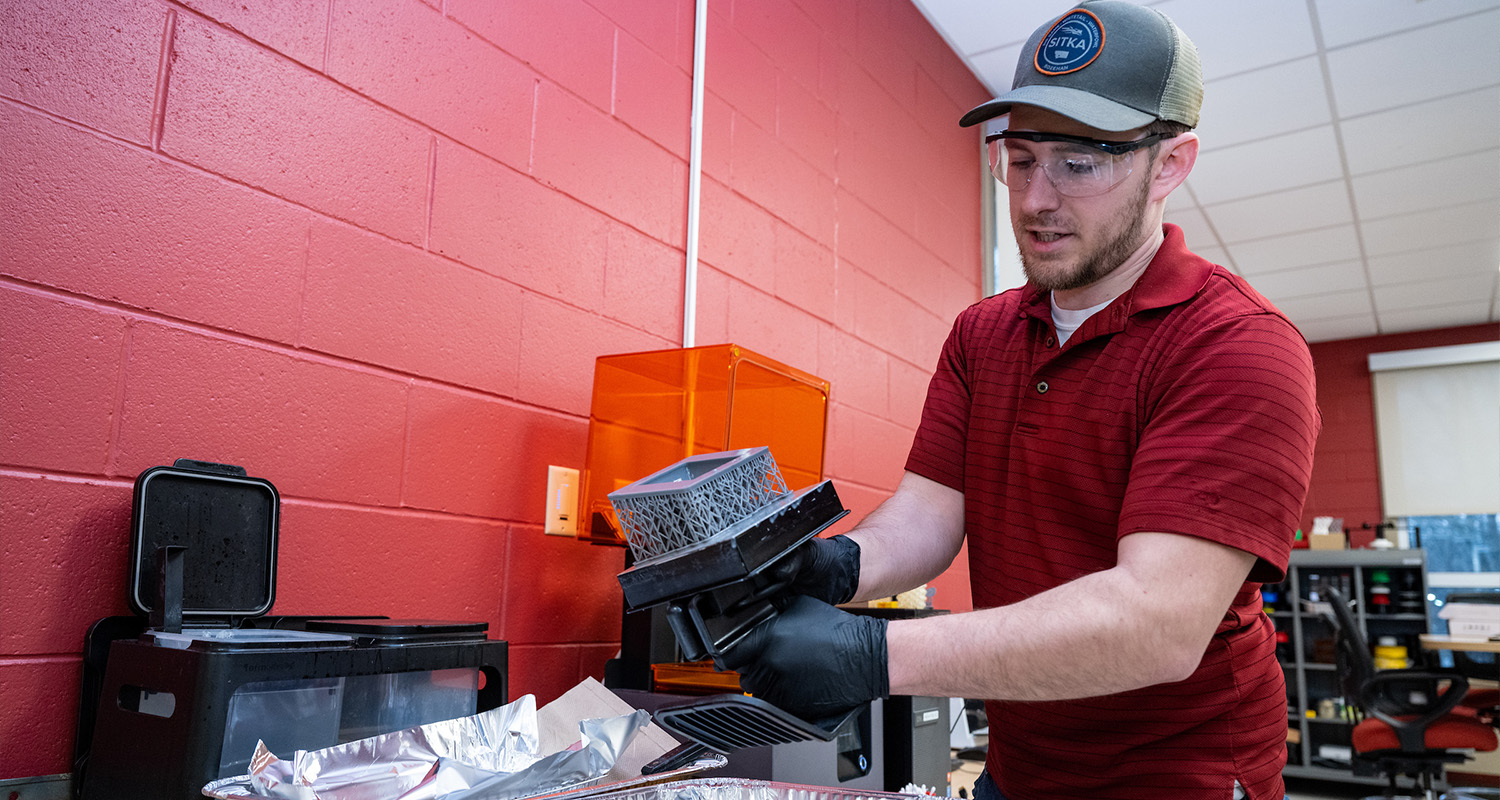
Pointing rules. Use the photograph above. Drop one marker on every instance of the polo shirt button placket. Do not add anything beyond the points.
(1051, 340)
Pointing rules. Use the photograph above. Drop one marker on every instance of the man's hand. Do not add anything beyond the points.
(827, 569)
(813, 660)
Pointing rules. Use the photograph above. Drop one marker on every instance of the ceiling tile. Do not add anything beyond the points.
(1451, 181)
(1345, 21)
(997, 68)
(1265, 102)
(1426, 293)
(1333, 304)
(1194, 226)
(1451, 126)
(973, 27)
(1322, 246)
(1386, 73)
(1328, 329)
(1438, 228)
(1235, 37)
(1473, 312)
(1214, 254)
(1180, 201)
(1267, 165)
(1474, 259)
(1310, 207)
(1342, 276)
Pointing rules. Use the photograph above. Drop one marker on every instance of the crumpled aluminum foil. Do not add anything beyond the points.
(489, 756)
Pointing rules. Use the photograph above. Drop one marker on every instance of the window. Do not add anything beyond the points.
(1463, 557)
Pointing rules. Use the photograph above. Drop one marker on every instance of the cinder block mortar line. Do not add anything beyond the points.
(851, 482)
(424, 126)
(871, 209)
(504, 578)
(40, 658)
(302, 285)
(614, 72)
(921, 243)
(118, 409)
(431, 191)
(406, 434)
(281, 348)
(536, 101)
(188, 165)
(323, 74)
(61, 476)
(128, 481)
(924, 309)
(163, 79)
(327, 36)
(773, 296)
(543, 76)
(404, 512)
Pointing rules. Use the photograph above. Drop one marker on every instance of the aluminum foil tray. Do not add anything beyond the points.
(742, 789)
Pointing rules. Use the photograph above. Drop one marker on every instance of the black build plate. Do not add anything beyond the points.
(735, 554)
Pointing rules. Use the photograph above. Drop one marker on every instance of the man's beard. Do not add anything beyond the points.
(1122, 236)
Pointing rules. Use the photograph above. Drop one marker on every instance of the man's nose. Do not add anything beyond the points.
(1039, 193)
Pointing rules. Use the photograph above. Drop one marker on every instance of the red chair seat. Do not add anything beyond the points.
(1452, 732)
(1480, 698)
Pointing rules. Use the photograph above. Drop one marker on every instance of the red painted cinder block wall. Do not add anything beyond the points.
(1346, 465)
(370, 251)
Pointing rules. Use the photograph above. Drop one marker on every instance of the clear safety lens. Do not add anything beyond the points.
(1074, 171)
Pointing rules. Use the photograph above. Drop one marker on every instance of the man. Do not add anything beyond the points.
(1125, 442)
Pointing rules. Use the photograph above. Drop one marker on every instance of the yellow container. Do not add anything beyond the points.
(1391, 657)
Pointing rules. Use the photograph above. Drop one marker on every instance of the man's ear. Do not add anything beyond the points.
(1173, 164)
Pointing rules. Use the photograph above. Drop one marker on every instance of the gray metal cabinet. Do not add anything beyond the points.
(1390, 589)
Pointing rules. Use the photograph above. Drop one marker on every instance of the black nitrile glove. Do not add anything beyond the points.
(827, 569)
(813, 660)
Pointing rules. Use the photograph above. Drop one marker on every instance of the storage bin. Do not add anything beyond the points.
(288, 715)
(376, 704)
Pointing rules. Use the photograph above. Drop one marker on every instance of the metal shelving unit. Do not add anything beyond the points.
(1307, 657)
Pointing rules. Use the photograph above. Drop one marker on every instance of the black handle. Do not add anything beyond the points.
(167, 615)
(676, 758)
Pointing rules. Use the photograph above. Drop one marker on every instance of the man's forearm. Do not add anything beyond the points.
(1104, 633)
(910, 539)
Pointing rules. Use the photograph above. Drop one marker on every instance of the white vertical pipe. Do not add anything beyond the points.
(695, 177)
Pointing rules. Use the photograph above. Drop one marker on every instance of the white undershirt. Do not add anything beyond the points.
(1067, 320)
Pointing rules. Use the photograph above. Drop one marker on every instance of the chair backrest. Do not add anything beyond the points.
(1351, 654)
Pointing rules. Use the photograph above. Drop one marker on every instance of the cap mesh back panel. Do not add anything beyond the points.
(1182, 96)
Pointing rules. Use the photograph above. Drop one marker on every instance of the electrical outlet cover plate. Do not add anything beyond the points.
(562, 502)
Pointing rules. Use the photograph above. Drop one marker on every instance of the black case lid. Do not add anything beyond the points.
(228, 523)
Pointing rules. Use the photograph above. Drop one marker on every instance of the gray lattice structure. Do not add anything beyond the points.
(695, 499)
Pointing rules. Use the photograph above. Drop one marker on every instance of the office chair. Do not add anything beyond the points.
(1415, 722)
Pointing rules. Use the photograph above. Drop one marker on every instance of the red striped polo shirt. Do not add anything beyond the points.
(1184, 406)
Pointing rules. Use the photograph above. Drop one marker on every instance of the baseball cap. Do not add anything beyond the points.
(1110, 64)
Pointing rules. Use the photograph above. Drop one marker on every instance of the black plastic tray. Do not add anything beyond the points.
(729, 722)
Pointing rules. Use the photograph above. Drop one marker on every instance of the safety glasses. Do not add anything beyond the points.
(1076, 166)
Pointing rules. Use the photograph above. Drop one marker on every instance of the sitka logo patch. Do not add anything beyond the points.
(1072, 44)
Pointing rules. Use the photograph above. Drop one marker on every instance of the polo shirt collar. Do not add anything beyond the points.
(1174, 276)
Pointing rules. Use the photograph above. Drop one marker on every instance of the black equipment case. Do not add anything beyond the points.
(162, 696)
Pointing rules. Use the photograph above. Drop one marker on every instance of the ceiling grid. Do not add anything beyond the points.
(1350, 162)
